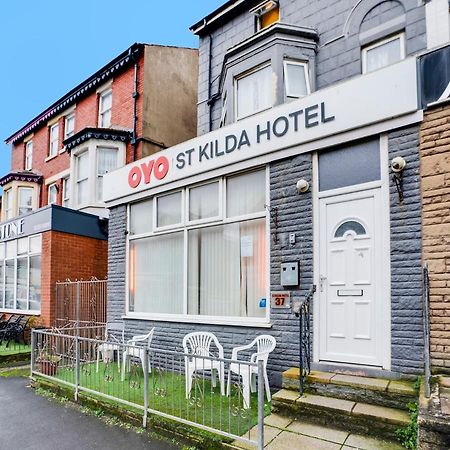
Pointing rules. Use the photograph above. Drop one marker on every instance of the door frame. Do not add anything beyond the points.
(385, 296)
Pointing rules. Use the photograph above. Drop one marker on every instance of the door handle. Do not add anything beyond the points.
(322, 279)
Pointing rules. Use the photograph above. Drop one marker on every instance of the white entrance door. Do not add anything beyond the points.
(350, 294)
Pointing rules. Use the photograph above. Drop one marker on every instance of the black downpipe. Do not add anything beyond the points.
(210, 103)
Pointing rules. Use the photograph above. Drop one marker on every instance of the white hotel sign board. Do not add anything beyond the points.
(360, 101)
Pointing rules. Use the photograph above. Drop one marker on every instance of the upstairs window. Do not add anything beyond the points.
(82, 178)
(54, 140)
(267, 13)
(28, 155)
(296, 79)
(106, 162)
(383, 53)
(7, 203)
(69, 125)
(25, 195)
(66, 192)
(104, 109)
(254, 92)
(52, 194)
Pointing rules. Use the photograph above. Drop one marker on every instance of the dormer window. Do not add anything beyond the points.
(267, 13)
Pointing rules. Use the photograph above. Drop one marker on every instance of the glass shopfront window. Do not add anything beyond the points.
(212, 261)
(20, 274)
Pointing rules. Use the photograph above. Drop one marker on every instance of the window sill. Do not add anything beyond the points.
(63, 150)
(49, 158)
(28, 312)
(245, 322)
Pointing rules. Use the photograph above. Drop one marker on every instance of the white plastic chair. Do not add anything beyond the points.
(198, 344)
(136, 348)
(112, 344)
(265, 344)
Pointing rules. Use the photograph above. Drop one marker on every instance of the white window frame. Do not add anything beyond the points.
(305, 66)
(263, 322)
(236, 82)
(66, 120)
(102, 111)
(8, 204)
(220, 215)
(28, 256)
(99, 176)
(29, 155)
(65, 197)
(49, 190)
(18, 198)
(176, 226)
(259, 12)
(380, 43)
(53, 141)
(87, 177)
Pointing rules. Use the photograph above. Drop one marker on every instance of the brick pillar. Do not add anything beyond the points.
(435, 175)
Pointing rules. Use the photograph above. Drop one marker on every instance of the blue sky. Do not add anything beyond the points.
(48, 46)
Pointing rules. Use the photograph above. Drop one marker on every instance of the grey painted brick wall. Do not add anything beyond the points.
(295, 216)
(406, 259)
(337, 57)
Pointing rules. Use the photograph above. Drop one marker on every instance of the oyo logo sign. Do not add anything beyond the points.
(158, 168)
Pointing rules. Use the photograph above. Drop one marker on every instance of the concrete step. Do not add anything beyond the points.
(343, 414)
(375, 391)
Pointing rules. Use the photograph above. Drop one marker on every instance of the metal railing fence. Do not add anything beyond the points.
(80, 302)
(218, 398)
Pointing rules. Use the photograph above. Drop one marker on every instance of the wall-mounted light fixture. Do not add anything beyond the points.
(398, 164)
(302, 186)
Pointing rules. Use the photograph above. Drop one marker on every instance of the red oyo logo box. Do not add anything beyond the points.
(158, 168)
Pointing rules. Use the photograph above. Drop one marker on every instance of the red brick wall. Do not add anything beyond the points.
(68, 256)
(86, 115)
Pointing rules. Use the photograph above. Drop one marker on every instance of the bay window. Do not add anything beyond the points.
(296, 79)
(66, 192)
(20, 269)
(25, 195)
(82, 177)
(52, 194)
(8, 203)
(106, 161)
(201, 251)
(253, 92)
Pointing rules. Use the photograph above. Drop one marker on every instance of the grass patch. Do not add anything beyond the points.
(14, 348)
(167, 394)
(15, 373)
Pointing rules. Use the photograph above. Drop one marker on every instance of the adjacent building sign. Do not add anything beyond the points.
(12, 229)
(360, 101)
(435, 76)
(280, 299)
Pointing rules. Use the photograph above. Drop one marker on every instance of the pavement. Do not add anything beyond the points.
(31, 422)
(281, 433)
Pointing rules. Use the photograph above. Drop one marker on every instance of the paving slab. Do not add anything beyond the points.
(275, 420)
(376, 384)
(269, 434)
(318, 431)
(327, 402)
(444, 382)
(390, 415)
(369, 443)
(293, 441)
(286, 396)
(445, 405)
(401, 387)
